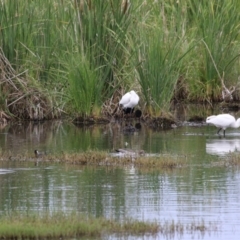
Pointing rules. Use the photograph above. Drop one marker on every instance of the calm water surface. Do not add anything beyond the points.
(199, 193)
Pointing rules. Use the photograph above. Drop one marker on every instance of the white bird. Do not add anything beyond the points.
(129, 101)
(223, 121)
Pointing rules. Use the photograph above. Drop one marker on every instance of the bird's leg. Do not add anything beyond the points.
(224, 132)
(219, 131)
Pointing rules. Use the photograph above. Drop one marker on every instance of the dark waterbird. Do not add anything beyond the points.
(39, 154)
(128, 151)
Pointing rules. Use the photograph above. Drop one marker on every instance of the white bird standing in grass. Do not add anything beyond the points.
(129, 101)
(223, 121)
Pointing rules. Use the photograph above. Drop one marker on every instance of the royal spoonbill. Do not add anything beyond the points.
(223, 121)
(129, 101)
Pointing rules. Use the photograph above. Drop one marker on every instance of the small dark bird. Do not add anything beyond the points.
(39, 154)
(128, 151)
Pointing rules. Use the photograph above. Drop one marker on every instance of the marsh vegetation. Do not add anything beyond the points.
(77, 58)
(60, 225)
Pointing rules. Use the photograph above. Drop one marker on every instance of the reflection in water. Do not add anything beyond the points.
(222, 146)
(27, 136)
(195, 193)
(57, 136)
(186, 196)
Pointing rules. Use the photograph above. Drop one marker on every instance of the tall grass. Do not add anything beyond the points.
(100, 34)
(160, 57)
(216, 27)
(84, 88)
(82, 52)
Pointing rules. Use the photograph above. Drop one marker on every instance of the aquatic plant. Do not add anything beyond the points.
(60, 225)
(72, 225)
(103, 158)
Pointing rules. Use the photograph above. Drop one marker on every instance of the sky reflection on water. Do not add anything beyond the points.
(194, 194)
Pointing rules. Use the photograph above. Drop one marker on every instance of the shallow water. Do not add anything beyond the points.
(204, 192)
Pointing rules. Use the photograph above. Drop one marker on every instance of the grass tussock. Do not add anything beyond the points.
(74, 225)
(101, 158)
(162, 161)
(231, 160)
(106, 159)
(60, 225)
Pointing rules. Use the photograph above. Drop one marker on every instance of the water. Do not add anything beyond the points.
(203, 192)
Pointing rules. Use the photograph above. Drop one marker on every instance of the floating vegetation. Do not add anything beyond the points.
(60, 225)
(106, 159)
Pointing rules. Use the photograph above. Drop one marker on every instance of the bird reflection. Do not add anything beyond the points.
(222, 146)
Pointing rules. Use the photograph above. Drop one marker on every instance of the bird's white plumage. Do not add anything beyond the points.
(223, 121)
(129, 100)
(125, 99)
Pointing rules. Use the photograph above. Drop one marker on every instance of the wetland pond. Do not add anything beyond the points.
(202, 193)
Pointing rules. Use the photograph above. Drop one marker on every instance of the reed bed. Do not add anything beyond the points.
(81, 56)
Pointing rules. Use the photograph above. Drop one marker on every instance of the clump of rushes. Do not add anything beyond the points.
(216, 29)
(159, 71)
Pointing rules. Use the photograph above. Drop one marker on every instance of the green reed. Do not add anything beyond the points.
(215, 25)
(162, 37)
(100, 31)
(82, 52)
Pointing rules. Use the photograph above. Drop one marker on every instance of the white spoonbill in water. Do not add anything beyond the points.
(129, 101)
(223, 121)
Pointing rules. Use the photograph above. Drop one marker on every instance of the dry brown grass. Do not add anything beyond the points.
(19, 97)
